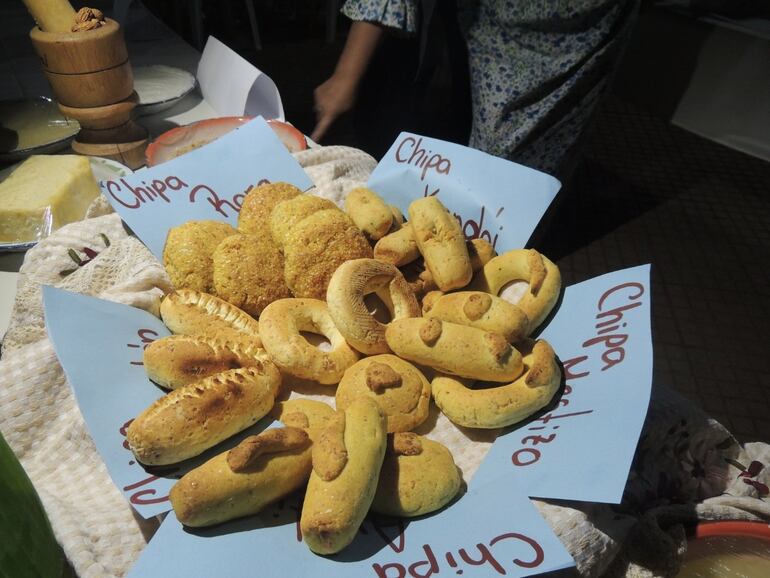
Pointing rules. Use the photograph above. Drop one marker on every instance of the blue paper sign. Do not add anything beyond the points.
(490, 531)
(100, 346)
(494, 199)
(582, 448)
(207, 183)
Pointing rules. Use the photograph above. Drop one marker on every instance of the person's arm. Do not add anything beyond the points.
(338, 94)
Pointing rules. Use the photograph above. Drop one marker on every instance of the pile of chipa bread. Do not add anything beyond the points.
(246, 300)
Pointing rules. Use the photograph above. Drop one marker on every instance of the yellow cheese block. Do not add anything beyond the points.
(44, 193)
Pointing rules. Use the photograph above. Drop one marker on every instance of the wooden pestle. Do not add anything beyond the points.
(52, 15)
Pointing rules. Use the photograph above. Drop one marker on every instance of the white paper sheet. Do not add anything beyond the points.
(233, 86)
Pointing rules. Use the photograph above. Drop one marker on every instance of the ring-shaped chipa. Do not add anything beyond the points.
(503, 405)
(351, 282)
(527, 265)
(280, 325)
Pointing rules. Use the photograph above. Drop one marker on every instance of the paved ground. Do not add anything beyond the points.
(700, 213)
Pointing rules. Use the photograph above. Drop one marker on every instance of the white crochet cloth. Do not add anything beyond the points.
(102, 537)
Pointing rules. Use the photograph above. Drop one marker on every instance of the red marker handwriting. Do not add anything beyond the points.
(146, 495)
(473, 228)
(531, 453)
(146, 336)
(410, 151)
(431, 564)
(134, 197)
(609, 320)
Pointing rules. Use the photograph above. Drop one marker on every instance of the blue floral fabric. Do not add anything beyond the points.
(537, 68)
(537, 71)
(399, 14)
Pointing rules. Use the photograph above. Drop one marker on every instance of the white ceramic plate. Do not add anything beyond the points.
(160, 87)
(103, 170)
(33, 126)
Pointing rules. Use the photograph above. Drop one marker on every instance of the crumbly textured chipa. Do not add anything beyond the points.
(480, 310)
(260, 202)
(481, 252)
(189, 312)
(397, 248)
(193, 418)
(369, 212)
(527, 265)
(308, 414)
(177, 360)
(504, 405)
(242, 457)
(345, 297)
(214, 492)
(316, 247)
(430, 299)
(441, 243)
(330, 456)
(334, 509)
(454, 349)
(248, 272)
(287, 214)
(398, 218)
(281, 324)
(399, 388)
(418, 476)
(419, 278)
(188, 253)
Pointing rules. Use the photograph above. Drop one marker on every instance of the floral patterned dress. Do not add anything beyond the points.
(537, 68)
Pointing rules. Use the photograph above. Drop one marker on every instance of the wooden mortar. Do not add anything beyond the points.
(86, 68)
(90, 75)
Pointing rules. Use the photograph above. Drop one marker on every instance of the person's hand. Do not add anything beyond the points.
(332, 98)
(338, 94)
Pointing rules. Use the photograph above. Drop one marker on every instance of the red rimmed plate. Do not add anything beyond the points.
(183, 139)
(733, 528)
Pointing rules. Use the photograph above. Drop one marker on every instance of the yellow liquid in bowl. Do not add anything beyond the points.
(29, 124)
(727, 557)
